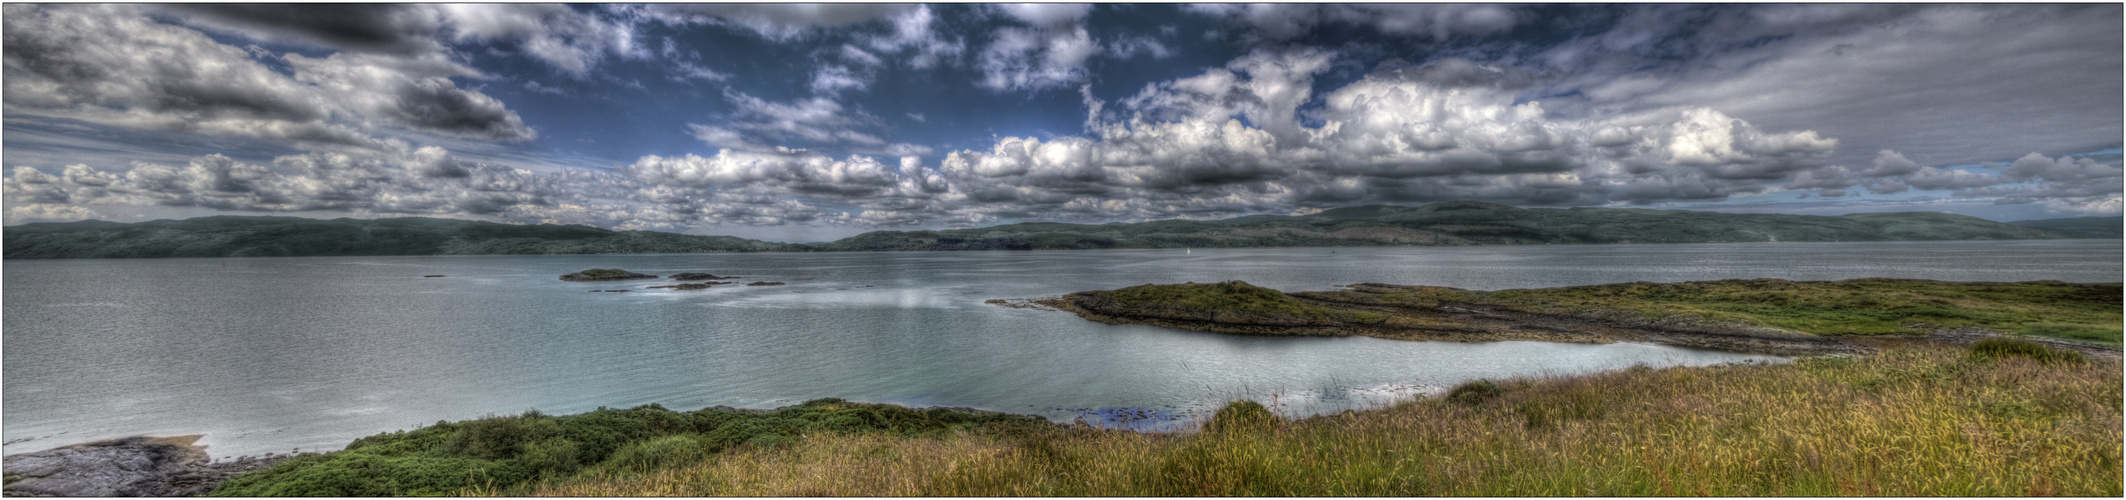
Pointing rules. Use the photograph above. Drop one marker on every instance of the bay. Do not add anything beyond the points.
(274, 354)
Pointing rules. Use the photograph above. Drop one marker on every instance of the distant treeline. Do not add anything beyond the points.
(1445, 223)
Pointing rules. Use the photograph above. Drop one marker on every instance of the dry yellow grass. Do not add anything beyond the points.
(1927, 421)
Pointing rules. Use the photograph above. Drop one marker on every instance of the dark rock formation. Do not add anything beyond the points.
(690, 286)
(134, 466)
(699, 277)
(605, 275)
(764, 283)
(433, 276)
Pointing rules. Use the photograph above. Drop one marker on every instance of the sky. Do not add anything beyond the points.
(811, 122)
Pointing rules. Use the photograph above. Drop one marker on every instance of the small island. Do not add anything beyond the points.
(605, 275)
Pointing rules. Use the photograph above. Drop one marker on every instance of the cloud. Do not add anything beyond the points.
(47, 212)
(400, 29)
(780, 22)
(1046, 14)
(1029, 59)
(570, 41)
(111, 65)
(1437, 21)
(916, 31)
(1954, 81)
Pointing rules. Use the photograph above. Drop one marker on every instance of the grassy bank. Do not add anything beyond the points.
(2087, 312)
(1928, 420)
(503, 453)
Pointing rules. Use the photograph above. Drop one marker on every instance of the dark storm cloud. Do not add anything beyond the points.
(390, 28)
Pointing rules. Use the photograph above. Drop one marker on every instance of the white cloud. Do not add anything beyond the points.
(48, 212)
(558, 35)
(1046, 14)
(785, 21)
(1026, 59)
(112, 65)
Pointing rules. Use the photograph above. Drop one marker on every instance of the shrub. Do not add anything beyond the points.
(2000, 348)
(1475, 392)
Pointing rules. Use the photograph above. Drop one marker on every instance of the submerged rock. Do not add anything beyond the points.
(433, 276)
(134, 466)
(690, 286)
(605, 275)
(764, 283)
(700, 276)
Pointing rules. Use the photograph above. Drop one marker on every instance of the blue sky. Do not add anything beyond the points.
(801, 122)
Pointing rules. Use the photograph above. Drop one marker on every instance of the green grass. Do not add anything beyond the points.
(2076, 311)
(1924, 421)
(1226, 302)
(450, 458)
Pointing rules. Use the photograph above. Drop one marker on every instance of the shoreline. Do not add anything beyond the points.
(150, 466)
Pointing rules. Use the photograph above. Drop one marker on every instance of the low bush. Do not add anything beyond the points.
(1999, 348)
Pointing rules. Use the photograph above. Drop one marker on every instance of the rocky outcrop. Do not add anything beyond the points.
(134, 466)
(764, 283)
(699, 277)
(605, 275)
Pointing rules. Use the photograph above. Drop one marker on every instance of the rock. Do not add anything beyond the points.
(764, 283)
(433, 276)
(134, 466)
(690, 286)
(605, 275)
(700, 276)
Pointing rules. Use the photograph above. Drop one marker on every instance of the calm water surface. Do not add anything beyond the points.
(270, 354)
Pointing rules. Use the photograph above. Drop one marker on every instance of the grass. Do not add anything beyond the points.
(1224, 302)
(2087, 312)
(1915, 421)
(504, 452)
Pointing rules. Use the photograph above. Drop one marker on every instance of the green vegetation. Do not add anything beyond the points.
(1229, 302)
(1917, 421)
(501, 453)
(2075, 311)
(2079, 227)
(1445, 223)
(1997, 348)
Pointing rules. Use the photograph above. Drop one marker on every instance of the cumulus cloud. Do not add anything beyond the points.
(113, 65)
(568, 40)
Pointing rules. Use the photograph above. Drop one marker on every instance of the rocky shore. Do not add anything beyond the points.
(137, 466)
(605, 275)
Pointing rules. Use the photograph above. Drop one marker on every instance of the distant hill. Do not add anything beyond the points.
(243, 236)
(1445, 223)
(2083, 227)
(1456, 223)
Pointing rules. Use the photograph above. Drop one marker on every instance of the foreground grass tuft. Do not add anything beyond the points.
(1997, 348)
(1929, 421)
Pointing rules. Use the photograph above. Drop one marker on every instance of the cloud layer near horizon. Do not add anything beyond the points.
(391, 110)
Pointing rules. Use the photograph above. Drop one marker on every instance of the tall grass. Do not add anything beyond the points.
(1927, 421)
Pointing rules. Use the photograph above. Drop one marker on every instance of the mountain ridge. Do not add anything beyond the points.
(1452, 223)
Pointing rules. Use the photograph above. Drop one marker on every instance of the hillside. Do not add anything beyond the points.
(1445, 223)
(1456, 223)
(239, 236)
(2083, 227)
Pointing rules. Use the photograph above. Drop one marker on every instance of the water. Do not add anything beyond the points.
(270, 354)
